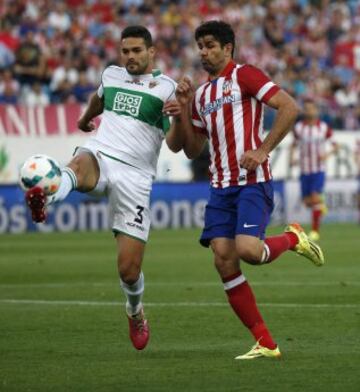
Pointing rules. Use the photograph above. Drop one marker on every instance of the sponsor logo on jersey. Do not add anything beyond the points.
(128, 103)
(135, 81)
(214, 106)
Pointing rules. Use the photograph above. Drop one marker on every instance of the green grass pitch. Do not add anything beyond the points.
(63, 326)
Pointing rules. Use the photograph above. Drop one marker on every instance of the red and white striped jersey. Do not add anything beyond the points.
(229, 111)
(311, 140)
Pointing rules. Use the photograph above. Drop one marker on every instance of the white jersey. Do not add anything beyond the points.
(133, 126)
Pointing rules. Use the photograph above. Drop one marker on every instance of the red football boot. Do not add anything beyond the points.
(139, 330)
(36, 200)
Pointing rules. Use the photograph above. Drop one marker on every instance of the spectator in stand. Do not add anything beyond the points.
(59, 18)
(63, 79)
(9, 87)
(307, 47)
(8, 96)
(83, 88)
(30, 65)
(36, 96)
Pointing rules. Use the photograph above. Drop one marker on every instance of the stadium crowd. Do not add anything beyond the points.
(55, 51)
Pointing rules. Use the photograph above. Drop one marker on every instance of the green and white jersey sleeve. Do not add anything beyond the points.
(133, 126)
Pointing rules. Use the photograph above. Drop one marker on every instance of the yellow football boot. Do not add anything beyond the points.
(258, 351)
(306, 247)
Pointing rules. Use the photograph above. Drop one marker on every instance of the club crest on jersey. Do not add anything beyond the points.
(153, 84)
(128, 103)
(227, 86)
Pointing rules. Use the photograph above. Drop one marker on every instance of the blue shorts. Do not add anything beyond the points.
(238, 210)
(312, 183)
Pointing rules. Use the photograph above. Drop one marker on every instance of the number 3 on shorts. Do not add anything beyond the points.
(139, 218)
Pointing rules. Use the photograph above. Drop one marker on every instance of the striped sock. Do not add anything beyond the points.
(242, 300)
(68, 184)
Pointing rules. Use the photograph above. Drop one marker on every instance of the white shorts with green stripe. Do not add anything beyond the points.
(128, 189)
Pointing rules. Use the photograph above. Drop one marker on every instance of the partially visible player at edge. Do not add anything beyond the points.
(121, 159)
(228, 111)
(310, 138)
(357, 162)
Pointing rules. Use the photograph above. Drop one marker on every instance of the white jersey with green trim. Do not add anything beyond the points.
(133, 126)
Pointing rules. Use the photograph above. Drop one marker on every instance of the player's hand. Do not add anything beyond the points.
(172, 108)
(251, 159)
(86, 126)
(184, 91)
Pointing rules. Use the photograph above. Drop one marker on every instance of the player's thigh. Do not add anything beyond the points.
(220, 215)
(129, 200)
(86, 169)
(130, 254)
(254, 207)
(225, 257)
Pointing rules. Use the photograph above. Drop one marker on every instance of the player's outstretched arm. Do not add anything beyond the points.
(94, 108)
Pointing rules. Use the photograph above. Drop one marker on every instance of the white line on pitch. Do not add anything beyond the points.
(178, 284)
(168, 304)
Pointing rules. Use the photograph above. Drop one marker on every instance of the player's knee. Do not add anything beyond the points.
(129, 273)
(225, 266)
(308, 203)
(129, 269)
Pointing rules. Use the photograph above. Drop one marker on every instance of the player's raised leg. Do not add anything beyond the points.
(82, 174)
(130, 256)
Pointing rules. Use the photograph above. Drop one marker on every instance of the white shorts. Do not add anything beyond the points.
(128, 190)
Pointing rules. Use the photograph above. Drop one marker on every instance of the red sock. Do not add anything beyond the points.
(278, 244)
(316, 216)
(242, 300)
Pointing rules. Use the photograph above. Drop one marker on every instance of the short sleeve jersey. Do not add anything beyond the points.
(133, 126)
(229, 111)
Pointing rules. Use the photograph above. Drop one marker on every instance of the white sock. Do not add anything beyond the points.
(133, 293)
(68, 184)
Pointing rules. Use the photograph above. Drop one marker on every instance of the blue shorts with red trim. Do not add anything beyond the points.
(312, 183)
(238, 210)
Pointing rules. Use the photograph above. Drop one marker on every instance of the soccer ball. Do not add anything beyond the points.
(40, 171)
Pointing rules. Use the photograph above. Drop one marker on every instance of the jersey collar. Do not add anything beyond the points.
(154, 73)
(226, 71)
